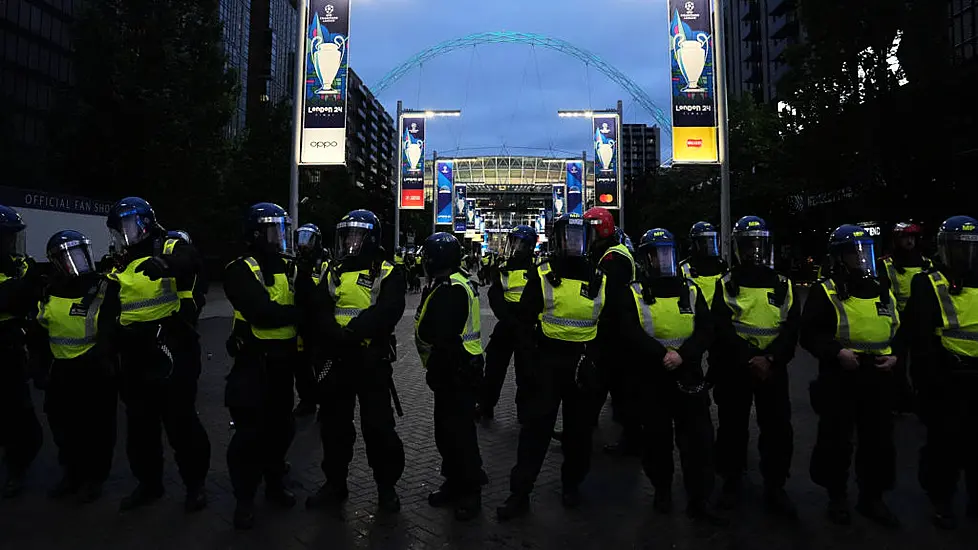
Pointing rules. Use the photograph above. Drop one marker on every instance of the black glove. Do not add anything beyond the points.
(154, 268)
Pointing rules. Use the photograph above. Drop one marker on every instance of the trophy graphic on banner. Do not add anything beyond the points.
(604, 148)
(326, 59)
(460, 204)
(413, 149)
(690, 53)
(558, 205)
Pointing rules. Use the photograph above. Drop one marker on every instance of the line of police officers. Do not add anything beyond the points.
(133, 331)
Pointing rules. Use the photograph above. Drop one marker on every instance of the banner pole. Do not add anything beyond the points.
(397, 171)
(298, 100)
(719, 62)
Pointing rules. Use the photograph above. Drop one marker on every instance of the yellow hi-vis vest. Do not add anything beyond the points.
(141, 299)
(186, 294)
(471, 334)
(900, 283)
(707, 283)
(72, 329)
(863, 325)
(623, 251)
(22, 268)
(398, 259)
(664, 320)
(281, 293)
(568, 314)
(513, 284)
(959, 335)
(755, 319)
(356, 292)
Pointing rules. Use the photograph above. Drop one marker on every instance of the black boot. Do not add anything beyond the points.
(875, 509)
(89, 492)
(662, 502)
(778, 502)
(838, 510)
(443, 496)
(467, 507)
(140, 496)
(514, 507)
(66, 487)
(280, 496)
(570, 496)
(196, 499)
(244, 515)
(387, 500)
(699, 511)
(329, 495)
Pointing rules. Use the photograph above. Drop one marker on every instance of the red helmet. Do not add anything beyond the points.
(906, 228)
(600, 221)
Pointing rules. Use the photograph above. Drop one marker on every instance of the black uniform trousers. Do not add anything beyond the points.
(672, 415)
(81, 401)
(455, 431)
(260, 396)
(734, 394)
(362, 378)
(20, 432)
(859, 401)
(949, 411)
(155, 402)
(501, 348)
(551, 380)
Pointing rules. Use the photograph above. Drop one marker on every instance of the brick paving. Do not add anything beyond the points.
(616, 514)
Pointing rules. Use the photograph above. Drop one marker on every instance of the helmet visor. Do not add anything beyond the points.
(308, 240)
(517, 247)
(73, 258)
(661, 260)
(959, 252)
(350, 237)
(571, 239)
(706, 245)
(859, 258)
(132, 229)
(754, 248)
(276, 235)
(14, 244)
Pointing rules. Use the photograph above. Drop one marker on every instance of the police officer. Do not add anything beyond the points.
(613, 258)
(704, 266)
(158, 363)
(849, 324)
(262, 289)
(508, 282)
(756, 320)
(309, 251)
(559, 314)
(669, 324)
(20, 288)
(71, 344)
(449, 341)
(366, 301)
(942, 319)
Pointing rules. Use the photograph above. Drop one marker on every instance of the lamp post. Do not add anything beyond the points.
(591, 114)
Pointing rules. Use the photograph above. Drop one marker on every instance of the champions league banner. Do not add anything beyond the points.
(327, 32)
(469, 214)
(560, 200)
(694, 119)
(575, 187)
(445, 176)
(412, 162)
(607, 187)
(459, 207)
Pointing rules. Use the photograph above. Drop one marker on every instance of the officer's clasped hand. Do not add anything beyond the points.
(672, 360)
(760, 366)
(886, 362)
(848, 359)
(154, 268)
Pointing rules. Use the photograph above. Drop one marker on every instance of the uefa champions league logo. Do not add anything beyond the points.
(690, 7)
(604, 128)
(329, 8)
(444, 168)
(413, 129)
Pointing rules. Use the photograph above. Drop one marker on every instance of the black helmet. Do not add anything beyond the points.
(570, 237)
(752, 242)
(852, 253)
(520, 243)
(179, 235)
(131, 221)
(441, 255)
(13, 238)
(268, 228)
(71, 253)
(658, 247)
(957, 245)
(357, 234)
(309, 241)
(704, 241)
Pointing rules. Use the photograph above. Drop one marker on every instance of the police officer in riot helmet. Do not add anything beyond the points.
(364, 297)
(309, 254)
(72, 352)
(849, 324)
(159, 351)
(266, 295)
(704, 264)
(20, 288)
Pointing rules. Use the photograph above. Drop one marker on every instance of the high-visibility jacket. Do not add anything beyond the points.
(670, 321)
(280, 292)
(900, 278)
(398, 259)
(71, 323)
(863, 325)
(622, 250)
(568, 313)
(471, 334)
(707, 283)
(185, 293)
(513, 283)
(959, 315)
(355, 291)
(755, 318)
(141, 299)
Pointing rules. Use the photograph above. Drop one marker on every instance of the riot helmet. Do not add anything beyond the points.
(131, 221)
(658, 249)
(957, 245)
(571, 239)
(704, 240)
(520, 243)
(852, 253)
(71, 253)
(752, 242)
(357, 235)
(268, 229)
(441, 255)
(13, 238)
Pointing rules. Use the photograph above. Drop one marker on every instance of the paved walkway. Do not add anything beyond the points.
(617, 512)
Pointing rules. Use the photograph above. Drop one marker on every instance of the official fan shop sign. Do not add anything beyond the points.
(694, 118)
(327, 34)
(412, 162)
(53, 202)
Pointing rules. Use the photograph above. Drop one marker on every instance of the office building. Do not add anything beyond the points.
(757, 32)
(639, 152)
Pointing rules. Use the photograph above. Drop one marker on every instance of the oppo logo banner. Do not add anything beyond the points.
(322, 144)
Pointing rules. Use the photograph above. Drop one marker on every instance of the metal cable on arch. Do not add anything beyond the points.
(556, 44)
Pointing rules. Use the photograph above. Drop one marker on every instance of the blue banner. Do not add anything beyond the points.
(326, 31)
(575, 187)
(459, 208)
(412, 162)
(694, 118)
(469, 213)
(607, 188)
(559, 200)
(445, 177)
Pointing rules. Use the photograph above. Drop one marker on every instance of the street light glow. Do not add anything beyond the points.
(575, 114)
